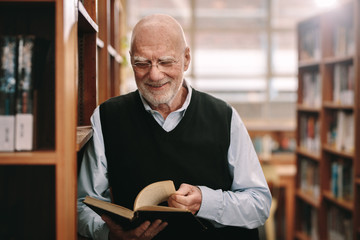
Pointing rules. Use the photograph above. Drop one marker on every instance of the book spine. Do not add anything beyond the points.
(8, 54)
(24, 106)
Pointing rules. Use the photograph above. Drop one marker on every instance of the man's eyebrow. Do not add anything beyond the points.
(166, 58)
(140, 59)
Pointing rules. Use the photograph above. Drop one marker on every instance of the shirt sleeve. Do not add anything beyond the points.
(247, 204)
(93, 181)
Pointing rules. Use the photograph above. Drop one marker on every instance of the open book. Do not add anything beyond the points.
(146, 208)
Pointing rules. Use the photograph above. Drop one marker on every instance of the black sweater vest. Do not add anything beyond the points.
(140, 152)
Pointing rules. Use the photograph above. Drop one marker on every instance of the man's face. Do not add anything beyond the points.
(159, 67)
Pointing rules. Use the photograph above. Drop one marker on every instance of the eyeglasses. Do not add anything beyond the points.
(144, 65)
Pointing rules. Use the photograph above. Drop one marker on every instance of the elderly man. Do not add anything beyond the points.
(168, 130)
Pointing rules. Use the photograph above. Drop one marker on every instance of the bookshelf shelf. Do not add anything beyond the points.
(302, 236)
(85, 22)
(347, 205)
(305, 108)
(357, 180)
(310, 155)
(309, 63)
(334, 60)
(83, 135)
(336, 78)
(343, 154)
(335, 106)
(28, 158)
(308, 198)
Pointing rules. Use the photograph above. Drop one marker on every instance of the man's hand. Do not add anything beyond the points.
(145, 231)
(186, 197)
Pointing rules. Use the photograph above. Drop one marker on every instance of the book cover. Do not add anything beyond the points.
(8, 54)
(24, 95)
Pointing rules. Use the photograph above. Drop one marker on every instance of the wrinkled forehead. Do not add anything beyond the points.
(157, 41)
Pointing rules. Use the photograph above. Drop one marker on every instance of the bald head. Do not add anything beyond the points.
(158, 28)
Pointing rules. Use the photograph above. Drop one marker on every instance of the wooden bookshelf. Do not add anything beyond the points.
(334, 56)
(38, 188)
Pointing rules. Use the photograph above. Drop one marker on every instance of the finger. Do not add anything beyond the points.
(184, 189)
(140, 230)
(155, 227)
(110, 222)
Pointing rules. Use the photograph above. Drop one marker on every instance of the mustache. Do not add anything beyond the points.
(157, 83)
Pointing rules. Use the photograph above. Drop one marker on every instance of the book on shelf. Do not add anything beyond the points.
(339, 224)
(146, 207)
(309, 177)
(344, 82)
(24, 117)
(310, 133)
(8, 59)
(310, 47)
(341, 179)
(341, 134)
(343, 43)
(312, 89)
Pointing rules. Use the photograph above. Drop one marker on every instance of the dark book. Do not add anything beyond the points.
(8, 63)
(146, 207)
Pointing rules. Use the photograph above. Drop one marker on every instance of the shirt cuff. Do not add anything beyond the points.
(211, 205)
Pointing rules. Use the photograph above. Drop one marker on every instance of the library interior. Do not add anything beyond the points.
(290, 68)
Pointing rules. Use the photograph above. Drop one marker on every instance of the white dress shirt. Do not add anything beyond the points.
(247, 204)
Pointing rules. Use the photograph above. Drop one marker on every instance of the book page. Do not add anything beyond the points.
(154, 194)
(161, 209)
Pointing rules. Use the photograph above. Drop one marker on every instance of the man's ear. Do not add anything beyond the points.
(187, 58)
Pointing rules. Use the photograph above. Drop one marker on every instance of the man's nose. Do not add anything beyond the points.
(155, 74)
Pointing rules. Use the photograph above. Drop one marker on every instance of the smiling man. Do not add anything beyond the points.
(168, 130)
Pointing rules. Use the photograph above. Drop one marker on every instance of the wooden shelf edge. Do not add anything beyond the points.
(337, 106)
(83, 134)
(305, 153)
(340, 202)
(338, 59)
(86, 23)
(309, 199)
(305, 108)
(357, 181)
(333, 150)
(301, 236)
(100, 43)
(309, 63)
(114, 54)
(28, 158)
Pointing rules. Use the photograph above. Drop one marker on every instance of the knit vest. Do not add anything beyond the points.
(139, 151)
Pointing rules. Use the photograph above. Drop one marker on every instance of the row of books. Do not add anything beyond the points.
(266, 145)
(22, 70)
(339, 224)
(310, 45)
(309, 221)
(341, 133)
(342, 179)
(310, 133)
(344, 84)
(312, 93)
(309, 177)
(343, 40)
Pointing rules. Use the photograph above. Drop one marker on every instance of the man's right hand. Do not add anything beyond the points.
(145, 231)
